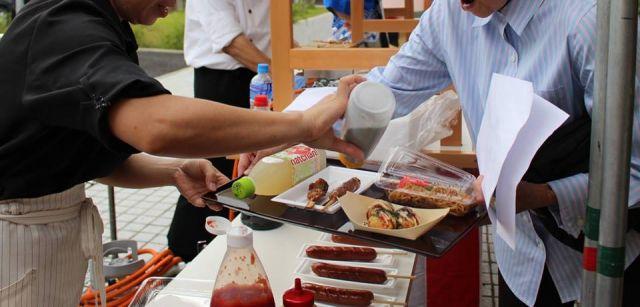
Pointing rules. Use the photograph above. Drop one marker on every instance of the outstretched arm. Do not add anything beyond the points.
(167, 125)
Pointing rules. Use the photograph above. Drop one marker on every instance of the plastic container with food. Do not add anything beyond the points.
(414, 179)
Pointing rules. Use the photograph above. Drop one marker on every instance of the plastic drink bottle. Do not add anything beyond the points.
(279, 172)
(261, 84)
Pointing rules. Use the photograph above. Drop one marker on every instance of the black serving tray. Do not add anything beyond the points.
(435, 243)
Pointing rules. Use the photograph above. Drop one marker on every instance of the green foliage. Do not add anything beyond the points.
(166, 33)
(304, 9)
(5, 19)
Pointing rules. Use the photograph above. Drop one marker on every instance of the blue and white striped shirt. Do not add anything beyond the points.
(548, 42)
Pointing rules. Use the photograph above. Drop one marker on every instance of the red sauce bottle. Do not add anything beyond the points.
(298, 297)
(241, 280)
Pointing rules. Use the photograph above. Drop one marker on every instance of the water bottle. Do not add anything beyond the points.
(260, 84)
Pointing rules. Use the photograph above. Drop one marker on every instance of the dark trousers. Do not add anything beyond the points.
(187, 227)
(548, 294)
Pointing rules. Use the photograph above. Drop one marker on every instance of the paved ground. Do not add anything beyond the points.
(141, 215)
(159, 62)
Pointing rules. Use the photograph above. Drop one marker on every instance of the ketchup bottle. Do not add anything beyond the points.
(241, 280)
(298, 297)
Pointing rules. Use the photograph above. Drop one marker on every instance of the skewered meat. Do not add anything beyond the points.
(351, 273)
(341, 253)
(349, 297)
(317, 190)
(351, 241)
(350, 185)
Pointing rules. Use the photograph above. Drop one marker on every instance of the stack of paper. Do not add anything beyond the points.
(515, 124)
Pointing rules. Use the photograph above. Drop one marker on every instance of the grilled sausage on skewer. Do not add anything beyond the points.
(335, 295)
(351, 273)
(341, 253)
(350, 185)
(351, 241)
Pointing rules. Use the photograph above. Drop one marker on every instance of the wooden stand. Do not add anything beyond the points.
(285, 58)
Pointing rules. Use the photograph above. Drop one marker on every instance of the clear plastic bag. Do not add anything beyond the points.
(428, 123)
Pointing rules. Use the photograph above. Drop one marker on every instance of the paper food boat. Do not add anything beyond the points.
(356, 206)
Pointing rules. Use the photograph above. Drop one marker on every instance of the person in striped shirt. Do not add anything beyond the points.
(552, 44)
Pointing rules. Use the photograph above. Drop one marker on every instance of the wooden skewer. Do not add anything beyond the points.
(311, 204)
(388, 303)
(329, 203)
(391, 253)
(401, 276)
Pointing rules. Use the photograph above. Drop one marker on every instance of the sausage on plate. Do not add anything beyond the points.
(351, 273)
(349, 297)
(341, 253)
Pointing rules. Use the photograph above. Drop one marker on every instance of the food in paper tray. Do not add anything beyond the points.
(349, 297)
(407, 218)
(341, 253)
(421, 194)
(350, 185)
(355, 206)
(351, 273)
(317, 190)
(382, 215)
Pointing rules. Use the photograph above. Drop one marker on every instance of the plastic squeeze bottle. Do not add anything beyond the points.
(241, 280)
(297, 296)
(371, 106)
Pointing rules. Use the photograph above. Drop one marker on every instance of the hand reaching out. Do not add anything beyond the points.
(197, 177)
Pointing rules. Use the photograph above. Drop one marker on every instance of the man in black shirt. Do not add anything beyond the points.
(75, 106)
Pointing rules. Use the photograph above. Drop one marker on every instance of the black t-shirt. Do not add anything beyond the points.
(63, 63)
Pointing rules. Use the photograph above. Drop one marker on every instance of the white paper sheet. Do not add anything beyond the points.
(309, 97)
(544, 119)
(515, 124)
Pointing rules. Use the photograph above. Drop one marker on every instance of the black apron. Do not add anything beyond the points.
(566, 153)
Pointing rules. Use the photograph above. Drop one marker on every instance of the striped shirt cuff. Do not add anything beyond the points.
(572, 201)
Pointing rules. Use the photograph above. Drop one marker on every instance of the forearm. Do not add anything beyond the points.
(176, 126)
(534, 196)
(245, 52)
(143, 171)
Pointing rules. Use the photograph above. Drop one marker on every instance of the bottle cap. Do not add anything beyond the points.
(217, 225)
(373, 98)
(263, 68)
(297, 296)
(243, 188)
(261, 101)
(239, 237)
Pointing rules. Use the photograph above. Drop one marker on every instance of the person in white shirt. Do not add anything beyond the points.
(224, 41)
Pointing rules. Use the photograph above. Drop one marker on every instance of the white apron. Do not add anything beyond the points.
(45, 243)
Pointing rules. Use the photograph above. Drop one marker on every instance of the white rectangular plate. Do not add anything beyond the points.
(335, 176)
(386, 260)
(304, 270)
